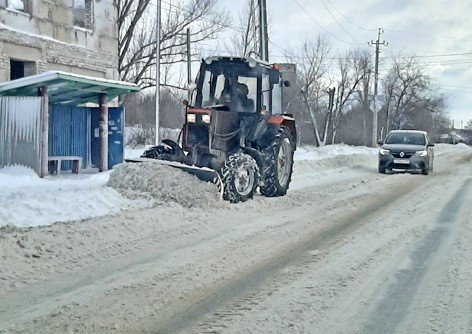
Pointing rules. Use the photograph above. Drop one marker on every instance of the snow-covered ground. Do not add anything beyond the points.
(347, 250)
(28, 200)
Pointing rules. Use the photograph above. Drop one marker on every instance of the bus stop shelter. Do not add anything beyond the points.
(47, 114)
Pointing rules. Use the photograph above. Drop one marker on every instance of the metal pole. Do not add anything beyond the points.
(43, 92)
(158, 65)
(263, 34)
(189, 64)
(103, 133)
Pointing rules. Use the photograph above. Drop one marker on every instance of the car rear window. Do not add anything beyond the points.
(406, 138)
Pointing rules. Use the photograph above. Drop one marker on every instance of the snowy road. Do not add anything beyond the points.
(347, 251)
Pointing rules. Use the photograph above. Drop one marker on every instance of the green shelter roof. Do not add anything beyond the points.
(67, 88)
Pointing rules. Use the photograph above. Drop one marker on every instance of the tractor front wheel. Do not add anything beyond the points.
(240, 177)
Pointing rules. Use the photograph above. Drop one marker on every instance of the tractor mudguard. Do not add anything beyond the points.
(256, 155)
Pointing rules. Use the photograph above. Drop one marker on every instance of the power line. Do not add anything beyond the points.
(441, 55)
(286, 52)
(339, 24)
(348, 20)
(201, 18)
(319, 25)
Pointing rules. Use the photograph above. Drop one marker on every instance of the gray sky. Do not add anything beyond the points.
(435, 30)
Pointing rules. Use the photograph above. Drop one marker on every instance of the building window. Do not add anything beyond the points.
(20, 5)
(20, 69)
(83, 13)
(17, 69)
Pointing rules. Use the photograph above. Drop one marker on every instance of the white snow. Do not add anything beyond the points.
(27, 200)
(322, 259)
(331, 151)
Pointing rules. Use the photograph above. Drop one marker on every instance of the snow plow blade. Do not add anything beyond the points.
(203, 173)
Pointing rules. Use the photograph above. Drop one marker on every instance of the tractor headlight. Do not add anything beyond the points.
(206, 119)
(191, 118)
(422, 153)
(384, 151)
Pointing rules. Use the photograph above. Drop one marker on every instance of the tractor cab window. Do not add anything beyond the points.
(206, 96)
(277, 99)
(265, 102)
(251, 85)
(239, 93)
(219, 87)
(236, 88)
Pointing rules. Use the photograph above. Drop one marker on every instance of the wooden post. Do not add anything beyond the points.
(43, 92)
(103, 133)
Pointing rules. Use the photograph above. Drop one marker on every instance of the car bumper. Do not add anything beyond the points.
(406, 164)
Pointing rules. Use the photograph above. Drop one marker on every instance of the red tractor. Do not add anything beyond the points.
(236, 127)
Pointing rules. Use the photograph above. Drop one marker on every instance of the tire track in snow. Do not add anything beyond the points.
(239, 288)
(395, 304)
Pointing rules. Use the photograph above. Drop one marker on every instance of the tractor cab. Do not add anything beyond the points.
(232, 104)
(242, 84)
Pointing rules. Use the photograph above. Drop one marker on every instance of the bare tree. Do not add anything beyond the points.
(429, 113)
(312, 79)
(136, 24)
(244, 41)
(405, 87)
(354, 67)
(363, 97)
(468, 126)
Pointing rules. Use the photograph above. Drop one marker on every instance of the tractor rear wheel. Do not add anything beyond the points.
(278, 166)
(240, 177)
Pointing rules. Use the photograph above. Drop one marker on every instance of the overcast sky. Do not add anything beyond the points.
(435, 30)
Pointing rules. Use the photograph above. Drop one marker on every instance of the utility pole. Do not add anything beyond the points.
(263, 33)
(189, 65)
(377, 44)
(158, 65)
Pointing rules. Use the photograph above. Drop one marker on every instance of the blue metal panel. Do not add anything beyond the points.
(68, 130)
(115, 136)
(79, 131)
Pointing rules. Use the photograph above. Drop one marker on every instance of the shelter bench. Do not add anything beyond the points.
(54, 163)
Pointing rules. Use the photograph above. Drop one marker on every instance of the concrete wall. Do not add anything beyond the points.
(47, 36)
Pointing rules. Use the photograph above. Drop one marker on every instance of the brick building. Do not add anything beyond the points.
(76, 36)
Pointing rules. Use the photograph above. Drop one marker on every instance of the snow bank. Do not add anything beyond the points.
(163, 183)
(18, 176)
(27, 200)
(331, 151)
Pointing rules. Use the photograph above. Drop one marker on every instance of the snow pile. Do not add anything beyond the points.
(18, 176)
(333, 157)
(27, 200)
(331, 151)
(163, 183)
